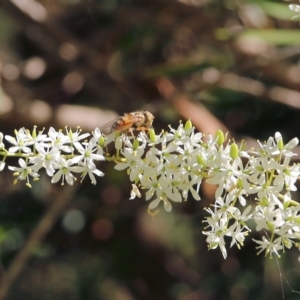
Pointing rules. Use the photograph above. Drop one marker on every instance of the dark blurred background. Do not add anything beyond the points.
(230, 64)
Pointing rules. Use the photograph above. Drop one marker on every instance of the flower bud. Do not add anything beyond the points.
(101, 141)
(265, 201)
(135, 144)
(271, 226)
(200, 160)
(220, 137)
(234, 151)
(152, 135)
(188, 125)
(118, 142)
(280, 144)
(34, 132)
(70, 134)
(239, 183)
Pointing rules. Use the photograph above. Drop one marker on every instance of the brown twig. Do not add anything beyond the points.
(36, 237)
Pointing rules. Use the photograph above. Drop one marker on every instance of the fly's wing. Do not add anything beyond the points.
(119, 124)
(108, 127)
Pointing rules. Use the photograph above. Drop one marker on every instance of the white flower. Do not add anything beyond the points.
(275, 146)
(180, 134)
(20, 142)
(24, 171)
(242, 218)
(118, 141)
(46, 158)
(226, 174)
(86, 154)
(134, 192)
(37, 138)
(268, 149)
(64, 170)
(286, 151)
(166, 202)
(100, 140)
(268, 246)
(76, 136)
(285, 242)
(133, 162)
(259, 170)
(162, 189)
(269, 218)
(186, 181)
(59, 140)
(287, 174)
(237, 234)
(85, 169)
(97, 134)
(215, 237)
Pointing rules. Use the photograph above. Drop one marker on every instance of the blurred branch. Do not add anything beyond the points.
(206, 122)
(258, 89)
(38, 234)
(201, 117)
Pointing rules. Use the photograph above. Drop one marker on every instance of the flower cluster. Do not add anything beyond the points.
(60, 154)
(171, 166)
(168, 167)
(268, 176)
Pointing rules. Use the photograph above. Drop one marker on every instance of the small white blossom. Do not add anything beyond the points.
(59, 140)
(269, 218)
(86, 154)
(287, 174)
(64, 171)
(133, 162)
(21, 142)
(268, 246)
(237, 234)
(37, 139)
(24, 171)
(215, 237)
(134, 192)
(76, 136)
(46, 158)
(100, 140)
(86, 169)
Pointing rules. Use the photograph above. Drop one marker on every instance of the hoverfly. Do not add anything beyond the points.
(138, 120)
